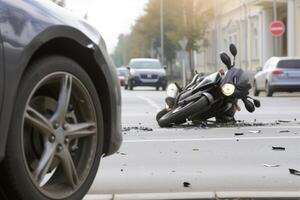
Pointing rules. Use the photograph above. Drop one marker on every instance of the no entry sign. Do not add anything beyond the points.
(277, 28)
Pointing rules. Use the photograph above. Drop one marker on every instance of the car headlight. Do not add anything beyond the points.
(228, 89)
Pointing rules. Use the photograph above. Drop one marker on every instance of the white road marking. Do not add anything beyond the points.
(151, 102)
(210, 139)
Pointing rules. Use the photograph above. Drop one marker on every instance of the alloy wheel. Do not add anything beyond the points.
(59, 135)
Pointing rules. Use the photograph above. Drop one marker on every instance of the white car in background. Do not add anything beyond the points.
(278, 74)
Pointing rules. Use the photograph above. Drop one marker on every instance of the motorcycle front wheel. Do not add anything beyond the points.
(180, 114)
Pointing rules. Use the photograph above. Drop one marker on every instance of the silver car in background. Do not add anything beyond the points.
(278, 74)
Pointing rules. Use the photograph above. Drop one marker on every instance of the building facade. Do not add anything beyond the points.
(246, 23)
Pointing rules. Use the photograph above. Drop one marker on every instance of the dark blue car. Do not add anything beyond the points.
(146, 72)
(59, 106)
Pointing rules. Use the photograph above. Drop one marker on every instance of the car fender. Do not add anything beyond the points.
(14, 74)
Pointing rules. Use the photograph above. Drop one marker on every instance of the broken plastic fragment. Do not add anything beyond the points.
(284, 131)
(284, 121)
(271, 165)
(294, 172)
(237, 134)
(278, 148)
(186, 184)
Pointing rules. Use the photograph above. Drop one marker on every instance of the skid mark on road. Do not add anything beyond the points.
(211, 139)
(150, 102)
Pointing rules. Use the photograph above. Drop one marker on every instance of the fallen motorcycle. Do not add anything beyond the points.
(205, 97)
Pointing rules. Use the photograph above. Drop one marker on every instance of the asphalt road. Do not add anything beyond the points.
(210, 160)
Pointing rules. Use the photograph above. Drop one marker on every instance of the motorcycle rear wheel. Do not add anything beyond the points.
(180, 114)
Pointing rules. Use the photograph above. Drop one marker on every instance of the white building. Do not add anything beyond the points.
(246, 23)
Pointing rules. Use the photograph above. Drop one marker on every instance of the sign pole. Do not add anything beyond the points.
(275, 19)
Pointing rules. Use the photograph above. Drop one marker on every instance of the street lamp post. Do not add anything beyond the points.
(183, 44)
(162, 30)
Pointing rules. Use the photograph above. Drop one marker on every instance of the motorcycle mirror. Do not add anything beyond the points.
(256, 103)
(249, 105)
(233, 50)
(226, 60)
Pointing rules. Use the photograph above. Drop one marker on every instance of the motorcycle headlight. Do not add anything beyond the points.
(228, 89)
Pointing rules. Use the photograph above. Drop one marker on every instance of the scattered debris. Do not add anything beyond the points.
(294, 172)
(138, 128)
(284, 121)
(295, 119)
(237, 140)
(237, 124)
(277, 148)
(186, 184)
(254, 131)
(195, 149)
(146, 129)
(284, 131)
(123, 154)
(122, 170)
(238, 134)
(173, 171)
(271, 165)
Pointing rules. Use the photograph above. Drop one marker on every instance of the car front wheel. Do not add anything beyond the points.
(255, 90)
(56, 133)
(269, 91)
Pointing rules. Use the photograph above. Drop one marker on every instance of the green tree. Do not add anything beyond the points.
(182, 18)
(61, 3)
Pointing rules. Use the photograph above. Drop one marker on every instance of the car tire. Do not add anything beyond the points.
(73, 159)
(269, 91)
(164, 88)
(126, 87)
(255, 90)
(157, 88)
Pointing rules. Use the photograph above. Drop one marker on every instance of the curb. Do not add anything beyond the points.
(195, 195)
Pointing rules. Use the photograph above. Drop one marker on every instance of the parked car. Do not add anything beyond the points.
(60, 102)
(146, 72)
(123, 74)
(278, 74)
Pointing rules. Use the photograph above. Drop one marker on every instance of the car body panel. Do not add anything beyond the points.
(25, 26)
(1, 71)
(288, 80)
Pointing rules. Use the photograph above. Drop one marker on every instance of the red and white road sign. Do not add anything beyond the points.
(277, 28)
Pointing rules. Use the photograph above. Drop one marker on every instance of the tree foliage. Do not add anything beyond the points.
(61, 3)
(182, 19)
